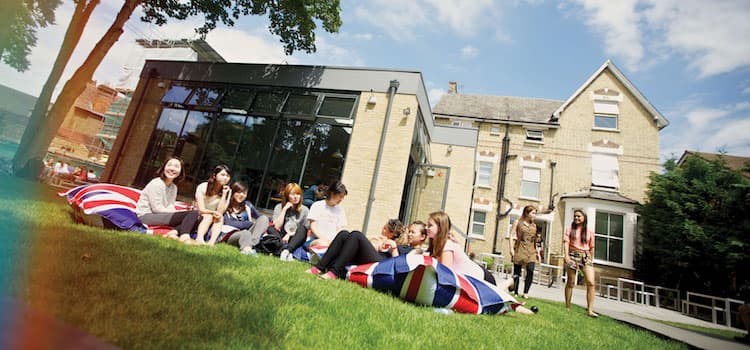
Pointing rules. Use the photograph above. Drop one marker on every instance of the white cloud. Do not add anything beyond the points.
(746, 90)
(617, 22)
(469, 51)
(698, 118)
(434, 94)
(730, 136)
(711, 36)
(402, 20)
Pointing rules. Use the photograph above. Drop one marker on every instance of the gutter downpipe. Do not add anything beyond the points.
(551, 206)
(501, 187)
(392, 88)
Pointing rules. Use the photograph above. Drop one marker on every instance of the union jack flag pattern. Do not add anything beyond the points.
(424, 281)
(113, 202)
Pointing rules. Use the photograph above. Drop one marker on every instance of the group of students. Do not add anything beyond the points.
(54, 171)
(218, 203)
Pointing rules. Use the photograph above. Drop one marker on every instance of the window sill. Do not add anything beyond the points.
(612, 264)
(475, 237)
(486, 187)
(529, 199)
(605, 129)
(534, 142)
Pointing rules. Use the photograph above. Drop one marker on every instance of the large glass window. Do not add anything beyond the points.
(268, 137)
(609, 237)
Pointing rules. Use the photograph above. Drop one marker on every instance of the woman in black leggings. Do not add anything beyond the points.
(353, 248)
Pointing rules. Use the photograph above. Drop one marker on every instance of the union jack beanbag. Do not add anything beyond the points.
(424, 281)
(115, 203)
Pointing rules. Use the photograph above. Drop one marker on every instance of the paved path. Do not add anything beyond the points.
(642, 316)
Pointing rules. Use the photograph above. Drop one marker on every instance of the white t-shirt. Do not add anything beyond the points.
(210, 202)
(328, 219)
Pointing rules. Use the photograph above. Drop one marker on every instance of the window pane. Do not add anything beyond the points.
(531, 174)
(602, 223)
(340, 107)
(300, 104)
(254, 149)
(600, 250)
(191, 147)
(480, 216)
(267, 101)
(162, 143)
(327, 154)
(534, 135)
(177, 94)
(483, 180)
(237, 98)
(205, 97)
(615, 225)
(607, 122)
(225, 140)
(477, 229)
(615, 250)
(529, 189)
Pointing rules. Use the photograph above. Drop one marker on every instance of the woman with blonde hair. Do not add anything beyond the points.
(290, 220)
(523, 253)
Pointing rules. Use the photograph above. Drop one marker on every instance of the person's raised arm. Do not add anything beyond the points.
(226, 193)
(278, 218)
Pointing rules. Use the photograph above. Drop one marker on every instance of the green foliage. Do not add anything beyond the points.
(293, 21)
(695, 229)
(141, 291)
(19, 20)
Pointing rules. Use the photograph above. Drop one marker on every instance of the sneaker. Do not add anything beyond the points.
(249, 252)
(284, 255)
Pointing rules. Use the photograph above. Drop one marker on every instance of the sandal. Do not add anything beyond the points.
(313, 270)
(328, 276)
(593, 315)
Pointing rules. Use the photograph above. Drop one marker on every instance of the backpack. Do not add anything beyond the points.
(269, 244)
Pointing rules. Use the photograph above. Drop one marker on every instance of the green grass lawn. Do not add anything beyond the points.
(141, 291)
(724, 333)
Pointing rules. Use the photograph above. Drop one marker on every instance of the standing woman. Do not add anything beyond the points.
(290, 220)
(523, 239)
(578, 250)
(156, 204)
(243, 215)
(212, 199)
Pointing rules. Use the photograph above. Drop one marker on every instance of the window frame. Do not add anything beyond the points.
(532, 139)
(524, 180)
(616, 118)
(608, 237)
(480, 174)
(474, 222)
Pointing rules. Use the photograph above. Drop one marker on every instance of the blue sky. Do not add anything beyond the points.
(690, 58)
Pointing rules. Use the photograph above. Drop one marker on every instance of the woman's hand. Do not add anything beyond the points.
(286, 238)
(215, 214)
(287, 206)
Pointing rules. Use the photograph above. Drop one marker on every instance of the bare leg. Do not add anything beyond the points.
(569, 283)
(216, 230)
(588, 274)
(203, 228)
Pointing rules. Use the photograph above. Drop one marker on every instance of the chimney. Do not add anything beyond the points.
(452, 87)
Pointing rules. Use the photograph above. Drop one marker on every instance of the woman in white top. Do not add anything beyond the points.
(156, 204)
(212, 200)
(327, 217)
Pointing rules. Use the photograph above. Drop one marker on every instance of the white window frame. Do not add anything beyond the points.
(603, 176)
(481, 175)
(495, 130)
(608, 237)
(612, 116)
(534, 136)
(482, 223)
(528, 178)
(457, 123)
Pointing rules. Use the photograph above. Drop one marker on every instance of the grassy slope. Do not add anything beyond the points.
(148, 292)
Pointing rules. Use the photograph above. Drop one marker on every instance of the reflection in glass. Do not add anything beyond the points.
(340, 107)
(190, 147)
(300, 104)
(237, 98)
(205, 97)
(176, 94)
(162, 143)
(268, 101)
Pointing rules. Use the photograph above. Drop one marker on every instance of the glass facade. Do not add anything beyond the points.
(268, 137)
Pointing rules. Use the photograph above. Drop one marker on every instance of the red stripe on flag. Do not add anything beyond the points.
(466, 302)
(94, 204)
(415, 283)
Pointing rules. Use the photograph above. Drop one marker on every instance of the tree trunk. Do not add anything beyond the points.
(43, 130)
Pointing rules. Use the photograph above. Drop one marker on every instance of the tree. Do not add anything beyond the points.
(19, 20)
(293, 21)
(695, 229)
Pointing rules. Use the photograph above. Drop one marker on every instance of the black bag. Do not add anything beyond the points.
(269, 244)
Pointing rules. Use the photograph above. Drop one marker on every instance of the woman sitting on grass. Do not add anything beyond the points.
(449, 253)
(212, 199)
(156, 206)
(414, 239)
(243, 215)
(327, 217)
(353, 248)
(290, 220)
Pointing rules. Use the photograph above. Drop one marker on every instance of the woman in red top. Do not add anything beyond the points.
(578, 250)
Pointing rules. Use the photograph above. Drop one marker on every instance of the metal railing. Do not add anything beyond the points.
(713, 309)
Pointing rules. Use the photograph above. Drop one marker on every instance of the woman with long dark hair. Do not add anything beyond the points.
(243, 215)
(523, 253)
(212, 199)
(578, 250)
(156, 204)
